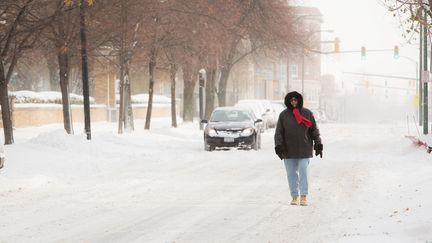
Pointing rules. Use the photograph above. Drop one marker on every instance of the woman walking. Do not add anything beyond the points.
(295, 138)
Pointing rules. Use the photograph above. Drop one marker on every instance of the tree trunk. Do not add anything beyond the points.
(5, 107)
(188, 101)
(129, 121)
(122, 62)
(210, 91)
(63, 60)
(85, 75)
(223, 85)
(126, 120)
(152, 65)
(188, 93)
(173, 72)
(121, 117)
(227, 65)
(53, 74)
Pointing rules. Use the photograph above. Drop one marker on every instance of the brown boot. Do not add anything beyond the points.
(303, 200)
(295, 201)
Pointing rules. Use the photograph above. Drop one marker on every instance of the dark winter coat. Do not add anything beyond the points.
(296, 139)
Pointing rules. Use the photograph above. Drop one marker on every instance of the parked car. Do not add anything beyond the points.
(257, 113)
(264, 110)
(278, 107)
(232, 127)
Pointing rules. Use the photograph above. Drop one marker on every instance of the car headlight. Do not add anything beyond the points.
(247, 132)
(211, 132)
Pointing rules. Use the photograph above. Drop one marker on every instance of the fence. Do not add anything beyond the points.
(27, 115)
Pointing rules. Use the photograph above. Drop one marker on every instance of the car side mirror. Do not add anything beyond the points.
(204, 121)
(258, 121)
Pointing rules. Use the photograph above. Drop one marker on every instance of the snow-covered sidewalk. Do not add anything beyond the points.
(161, 186)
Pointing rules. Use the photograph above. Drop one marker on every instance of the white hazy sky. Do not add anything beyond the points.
(364, 23)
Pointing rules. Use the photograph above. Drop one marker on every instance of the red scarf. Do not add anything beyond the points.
(301, 119)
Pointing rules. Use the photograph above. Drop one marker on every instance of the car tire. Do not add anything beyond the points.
(255, 145)
(208, 147)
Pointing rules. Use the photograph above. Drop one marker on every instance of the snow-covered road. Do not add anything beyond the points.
(161, 186)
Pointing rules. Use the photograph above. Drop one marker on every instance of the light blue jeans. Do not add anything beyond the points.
(297, 172)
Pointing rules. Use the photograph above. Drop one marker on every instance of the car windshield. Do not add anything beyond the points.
(230, 116)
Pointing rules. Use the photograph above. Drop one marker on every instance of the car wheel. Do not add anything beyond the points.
(208, 147)
(255, 145)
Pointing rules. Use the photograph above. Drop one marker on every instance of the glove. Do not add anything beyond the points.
(280, 151)
(318, 147)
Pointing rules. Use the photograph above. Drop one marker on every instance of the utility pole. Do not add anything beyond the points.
(85, 78)
(420, 81)
(425, 84)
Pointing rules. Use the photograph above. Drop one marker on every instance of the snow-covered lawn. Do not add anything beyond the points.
(160, 186)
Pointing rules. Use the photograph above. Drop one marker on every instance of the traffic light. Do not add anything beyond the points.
(336, 45)
(396, 52)
(363, 53)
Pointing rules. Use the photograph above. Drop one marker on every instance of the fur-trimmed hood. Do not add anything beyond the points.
(299, 98)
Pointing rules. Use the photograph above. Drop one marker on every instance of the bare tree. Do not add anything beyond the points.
(230, 30)
(20, 27)
(162, 34)
(411, 14)
(265, 25)
(128, 46)
(63, 34)
(173, 68)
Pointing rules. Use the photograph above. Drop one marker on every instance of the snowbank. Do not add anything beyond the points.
(143, 99)
(45, 97)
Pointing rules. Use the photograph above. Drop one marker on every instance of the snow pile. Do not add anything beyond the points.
(143, 99)
(53, 97)
(45, 97)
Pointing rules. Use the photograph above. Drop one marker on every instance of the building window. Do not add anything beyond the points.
(294, 71)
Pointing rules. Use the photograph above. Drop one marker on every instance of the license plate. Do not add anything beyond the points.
(228, 140)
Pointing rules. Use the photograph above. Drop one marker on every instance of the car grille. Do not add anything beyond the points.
(229, 133)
